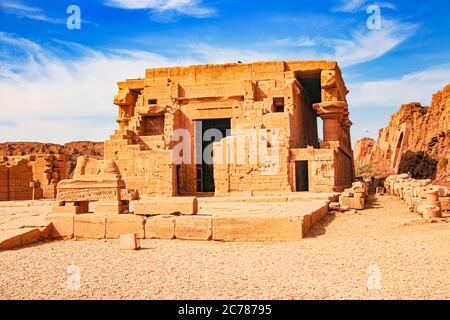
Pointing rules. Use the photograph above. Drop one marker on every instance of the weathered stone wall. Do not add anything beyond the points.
(150, 172)
(417, 140)
(16, 174)
(256, 96)
(19, 175)
(72, 150)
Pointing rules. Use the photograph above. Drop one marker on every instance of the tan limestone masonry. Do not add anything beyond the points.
(270, 178)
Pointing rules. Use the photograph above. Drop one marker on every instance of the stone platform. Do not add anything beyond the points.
(23, 222)
(237, 219)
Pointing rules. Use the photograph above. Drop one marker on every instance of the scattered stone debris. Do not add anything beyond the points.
(421, 196)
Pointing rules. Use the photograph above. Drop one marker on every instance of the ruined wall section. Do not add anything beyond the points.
(246, 164)
(16, 174)
(256, 96)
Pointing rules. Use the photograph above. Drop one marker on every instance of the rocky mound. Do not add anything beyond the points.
(417, 140)
(72, 150)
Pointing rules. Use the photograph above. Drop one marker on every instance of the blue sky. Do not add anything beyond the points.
(58, 84)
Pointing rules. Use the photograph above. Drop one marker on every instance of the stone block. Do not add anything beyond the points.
(67, 209)
(166, 206)
(111, 207)
(359, 195)
(306, 223)
(353, 203)
(10, 239)
(193, 227)
(317, 215)
(258, 228)
(129, 242)
(62, 225)
(30, 236)
(160, 227)
(124, 224)
(445, 203)
(46, 231)
(90, 226)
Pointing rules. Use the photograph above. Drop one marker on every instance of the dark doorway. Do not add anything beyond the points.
(301, 176)
(205, 171)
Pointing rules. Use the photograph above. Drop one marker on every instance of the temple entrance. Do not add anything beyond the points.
(205, 169)
(301, 176)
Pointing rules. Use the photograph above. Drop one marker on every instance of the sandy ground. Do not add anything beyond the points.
(381, 247)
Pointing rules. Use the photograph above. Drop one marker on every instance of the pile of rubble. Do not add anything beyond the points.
(421, 196)
(353, 198)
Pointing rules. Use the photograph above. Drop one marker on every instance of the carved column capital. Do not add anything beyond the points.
(330, 109)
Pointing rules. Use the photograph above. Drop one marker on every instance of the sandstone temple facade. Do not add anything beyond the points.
(267, 115)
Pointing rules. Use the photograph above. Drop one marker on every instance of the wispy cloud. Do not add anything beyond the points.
(61, 85)
(417, 86)
(366, 45)
(194, 8)
(351, 6)
(21, 10)
(48, 94)
(363, 45)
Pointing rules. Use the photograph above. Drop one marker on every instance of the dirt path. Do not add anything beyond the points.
(339, 258)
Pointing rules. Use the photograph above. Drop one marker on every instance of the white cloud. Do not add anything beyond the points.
(58, 99)
(368, 45)
(351, 6)
(21, 10)
(363, 45)
(306, 42)
(412, 87)
(193, 8)
(45, 90)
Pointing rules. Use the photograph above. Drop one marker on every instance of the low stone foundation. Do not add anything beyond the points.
(11, 239)
(265, 221)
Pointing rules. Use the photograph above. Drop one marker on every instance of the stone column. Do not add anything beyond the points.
(331, 113)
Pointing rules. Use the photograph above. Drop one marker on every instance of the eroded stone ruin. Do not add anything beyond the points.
(244, 137)
(36, 176)
(285, 97)
(420, 195)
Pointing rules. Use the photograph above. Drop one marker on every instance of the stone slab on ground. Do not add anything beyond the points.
(353, 203)
(119, 224)
(166, 206)
(193, 227)
(89, 226)
(160, 227)
(11, 239)
(23, 222)
(62, 225)
(259, 228)
(128, 242)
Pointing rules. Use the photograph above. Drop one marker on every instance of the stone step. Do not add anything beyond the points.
(11, 239)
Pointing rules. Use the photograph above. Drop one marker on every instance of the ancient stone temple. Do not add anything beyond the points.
(258, 121)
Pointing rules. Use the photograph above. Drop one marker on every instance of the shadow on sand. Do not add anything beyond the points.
(320, 228)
